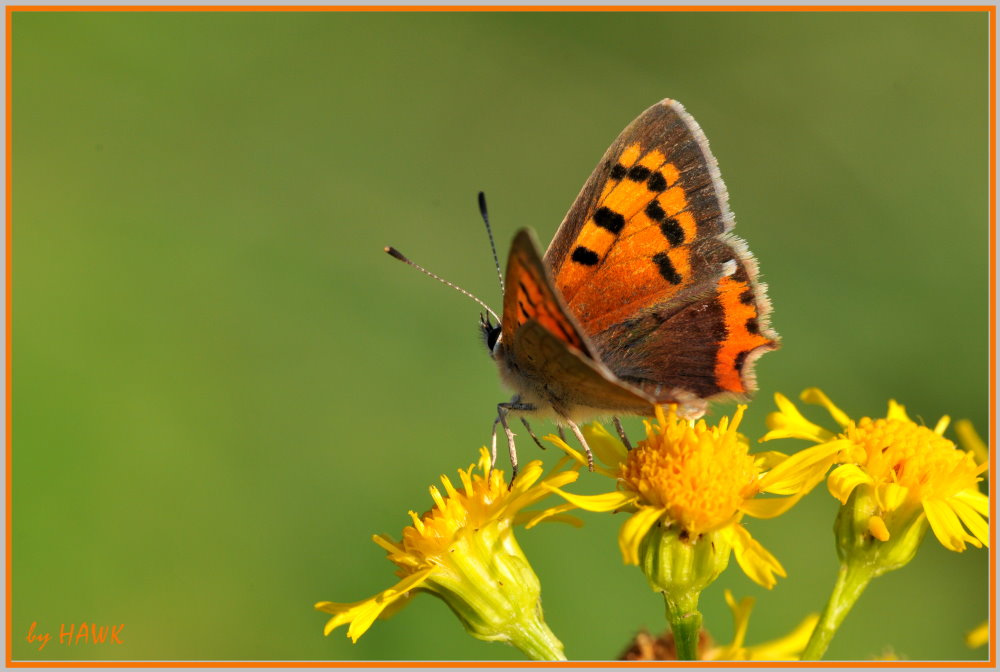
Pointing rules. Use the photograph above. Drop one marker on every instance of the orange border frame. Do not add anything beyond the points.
(990, 9)
(503, 8)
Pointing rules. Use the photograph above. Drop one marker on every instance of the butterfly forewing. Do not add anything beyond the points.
(645, 265)
(530, 295)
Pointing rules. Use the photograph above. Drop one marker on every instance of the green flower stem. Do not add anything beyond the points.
(685, 622)
(536, 641)
(852, 579)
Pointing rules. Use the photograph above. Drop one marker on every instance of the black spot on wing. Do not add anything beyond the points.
(669, 226)
(666, 268)
(638, 173)
(655, 211)
(656, 182)
(608, 219)
(672, 231)
(585, 256)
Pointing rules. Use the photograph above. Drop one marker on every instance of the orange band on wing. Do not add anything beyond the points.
(632, 194)
(630, 155)
(633, 243)
(742, 333)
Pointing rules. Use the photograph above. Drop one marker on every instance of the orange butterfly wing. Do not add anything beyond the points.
(646, 265)
(529, 295)
(546, 351)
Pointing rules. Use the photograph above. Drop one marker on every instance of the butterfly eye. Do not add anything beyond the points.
(491, 334)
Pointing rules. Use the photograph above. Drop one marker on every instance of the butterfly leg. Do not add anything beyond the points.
(502, 410)
(583, 442)
(538, 443)
(493, 451)
(562, 432)
(621, 432)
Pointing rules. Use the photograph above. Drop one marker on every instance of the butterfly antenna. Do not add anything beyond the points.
(489, 232)
(393, 252)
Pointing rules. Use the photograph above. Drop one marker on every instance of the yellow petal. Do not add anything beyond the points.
(578, 456)
(395, 606)
(524, 494)
(554, 518)
(363, 613)
(974, 522)
(971, 440)
(755, 560)
(877, 528)
(890, 496)
(780, 431)
(526, 477)
(977, 500)
(897, 412)
(790, 646)
(552, 514)
(634, 530)
(565, 447)
(772, 507)
(814, 395)
(608, 501)
(946, 525)
(485, 460)
(741, 617)
(942, 425)
(803, 470)
(387, 543)
(789, 423)
(979, 636)
(609, 450)
(844, 479)
(768, 459)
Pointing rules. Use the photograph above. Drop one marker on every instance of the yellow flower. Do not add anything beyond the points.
(464, 551)
(697, 480)
(903, 473)
(895, 479)
(788, 647)
(978, 636)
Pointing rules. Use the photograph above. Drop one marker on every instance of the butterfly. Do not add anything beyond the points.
(643, 297)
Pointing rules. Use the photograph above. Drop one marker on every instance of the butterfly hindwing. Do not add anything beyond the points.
(567, 380)
(648, 269)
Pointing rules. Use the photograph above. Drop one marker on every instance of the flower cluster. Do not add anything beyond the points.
(688, 488)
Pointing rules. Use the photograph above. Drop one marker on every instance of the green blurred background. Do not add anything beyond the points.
(223, 387)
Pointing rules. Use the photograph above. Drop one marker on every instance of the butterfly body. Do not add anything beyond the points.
(643, 297)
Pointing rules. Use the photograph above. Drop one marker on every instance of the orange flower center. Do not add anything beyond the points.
(474, 505)
(903, 452)
(700, 475)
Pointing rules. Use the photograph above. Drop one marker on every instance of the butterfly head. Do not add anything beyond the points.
(491, 332)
